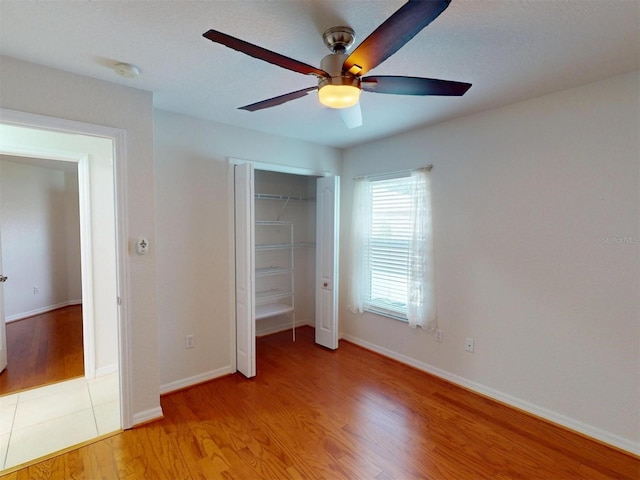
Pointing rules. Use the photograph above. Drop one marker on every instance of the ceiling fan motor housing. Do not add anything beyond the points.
(332, 64)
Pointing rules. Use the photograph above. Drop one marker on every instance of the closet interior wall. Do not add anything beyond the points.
(290, 198)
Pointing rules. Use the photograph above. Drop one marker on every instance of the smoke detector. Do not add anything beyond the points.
(126, 70)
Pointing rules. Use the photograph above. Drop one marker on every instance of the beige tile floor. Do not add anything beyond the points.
(41, 421)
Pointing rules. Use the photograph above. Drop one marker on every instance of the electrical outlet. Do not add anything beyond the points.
(188, 341)
(438, 335)
(36, 290)
(468, 346)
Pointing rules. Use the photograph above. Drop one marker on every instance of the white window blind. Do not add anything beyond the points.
(391, 231)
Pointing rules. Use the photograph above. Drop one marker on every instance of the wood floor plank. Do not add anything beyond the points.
(350, 414)
(43, 349)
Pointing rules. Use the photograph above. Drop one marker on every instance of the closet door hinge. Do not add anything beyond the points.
(119, 301)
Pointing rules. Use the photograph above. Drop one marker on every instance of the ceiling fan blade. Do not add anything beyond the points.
(414, 86)
(351, 116)
(272, 102)
(264, 54)
(394, 32)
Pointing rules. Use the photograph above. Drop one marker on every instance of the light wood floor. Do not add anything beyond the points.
(348, 414)
(43, 349)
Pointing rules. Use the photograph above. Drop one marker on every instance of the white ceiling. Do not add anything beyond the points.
(509, 50)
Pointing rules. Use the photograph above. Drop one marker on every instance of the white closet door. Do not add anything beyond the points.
(328, 189)
(245, 268)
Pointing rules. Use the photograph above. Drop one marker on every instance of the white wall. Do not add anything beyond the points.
(194, 199)
(40, 231)
(27, 87)
(522, 199)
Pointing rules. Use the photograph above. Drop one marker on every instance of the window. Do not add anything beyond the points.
(391, 249)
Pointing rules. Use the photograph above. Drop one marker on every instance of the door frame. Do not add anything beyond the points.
(118, 138)
(269, 167)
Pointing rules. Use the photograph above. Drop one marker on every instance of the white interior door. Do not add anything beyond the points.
(245, 267)
(327, 217)
(3, 327)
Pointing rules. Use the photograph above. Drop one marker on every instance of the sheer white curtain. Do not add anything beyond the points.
(421, 307)
(359, 247)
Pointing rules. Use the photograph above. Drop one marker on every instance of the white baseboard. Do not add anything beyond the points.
(570, 423)
(39, 311)
(106, 370)
(194, 380)
(147, 416)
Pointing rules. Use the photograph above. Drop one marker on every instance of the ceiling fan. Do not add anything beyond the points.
(340, 76)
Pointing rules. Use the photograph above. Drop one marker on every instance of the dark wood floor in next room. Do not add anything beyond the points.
(43, 349)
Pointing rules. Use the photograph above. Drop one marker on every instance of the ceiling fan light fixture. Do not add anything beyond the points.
(339, 96)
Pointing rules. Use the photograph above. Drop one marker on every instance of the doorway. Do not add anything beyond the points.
(40, 229)
(101, 272)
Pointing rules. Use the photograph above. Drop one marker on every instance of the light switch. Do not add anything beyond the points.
(142, 246)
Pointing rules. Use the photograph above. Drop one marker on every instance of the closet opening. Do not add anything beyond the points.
(285, 241)
(286, 249)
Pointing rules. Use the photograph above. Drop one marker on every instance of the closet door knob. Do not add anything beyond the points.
(3, 278)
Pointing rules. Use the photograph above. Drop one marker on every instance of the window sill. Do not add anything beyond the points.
(383, 313)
